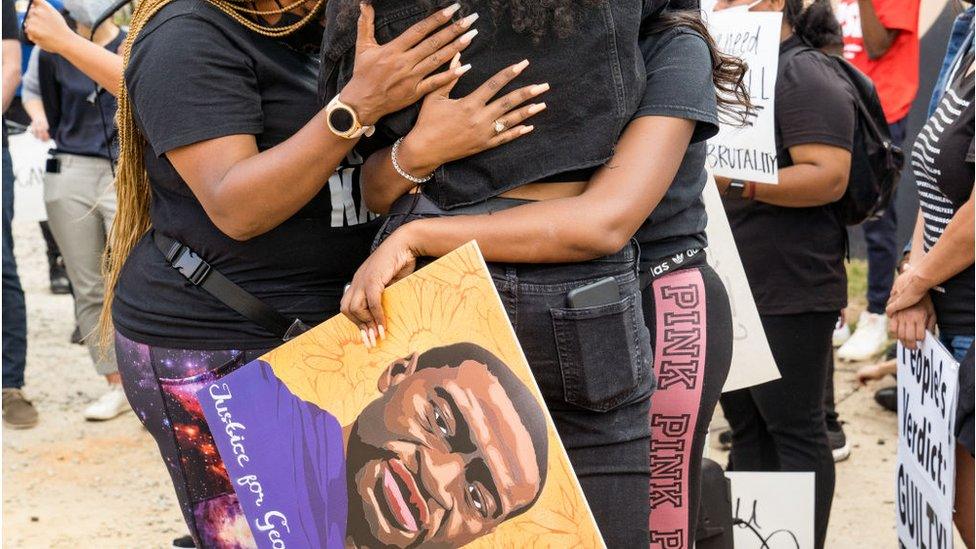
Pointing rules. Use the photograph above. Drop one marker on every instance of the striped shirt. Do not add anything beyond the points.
(942, 161)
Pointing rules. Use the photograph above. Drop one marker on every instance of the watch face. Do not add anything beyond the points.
(341, 119)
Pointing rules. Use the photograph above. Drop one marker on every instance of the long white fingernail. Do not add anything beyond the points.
(467, 37)
(462, 69)
(372, 337)
(539, 88)
(469, 20)
(538, 107)
(520, 66)
(451, 10)
(362, 334)
(382, 332)
(526, 129)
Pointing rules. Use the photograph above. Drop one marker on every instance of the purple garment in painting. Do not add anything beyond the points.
(284, 457)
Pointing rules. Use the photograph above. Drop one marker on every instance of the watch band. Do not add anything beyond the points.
(738, 185)
(356, 130)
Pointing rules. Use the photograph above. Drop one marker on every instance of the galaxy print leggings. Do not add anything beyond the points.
(688, 314)
(161, 386)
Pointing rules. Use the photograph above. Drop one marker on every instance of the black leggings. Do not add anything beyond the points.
(688, 315)
(779, 426)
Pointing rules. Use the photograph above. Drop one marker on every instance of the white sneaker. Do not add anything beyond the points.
(110, 405)
(842, 332)
(869, 338)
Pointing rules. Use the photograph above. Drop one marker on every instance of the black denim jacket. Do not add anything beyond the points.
(597, 79)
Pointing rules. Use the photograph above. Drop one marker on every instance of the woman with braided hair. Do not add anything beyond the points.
(226, 159)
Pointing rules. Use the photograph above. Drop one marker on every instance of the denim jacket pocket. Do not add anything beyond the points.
(604, 352)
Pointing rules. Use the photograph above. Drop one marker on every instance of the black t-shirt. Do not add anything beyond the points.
(9, 32)
(679, 84)
(942, 160)
(794, 257)
(195, 74)
(78, 126)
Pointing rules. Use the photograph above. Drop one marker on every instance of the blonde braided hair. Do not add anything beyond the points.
(131, 180)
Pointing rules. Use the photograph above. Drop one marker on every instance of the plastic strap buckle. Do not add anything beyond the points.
(189, 264)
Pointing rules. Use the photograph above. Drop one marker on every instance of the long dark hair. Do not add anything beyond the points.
(816, 25)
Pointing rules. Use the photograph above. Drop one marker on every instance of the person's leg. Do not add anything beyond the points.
(72, 200)
(161, 384)
(792, 406)
(881, 236)
(688, 315)
(965, 507)
(595, 375)
(839, 447)
(55, 263)
(752, 447)
(18, 412)
(14, 311)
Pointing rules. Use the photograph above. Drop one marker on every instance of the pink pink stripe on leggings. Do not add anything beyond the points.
(679, 363)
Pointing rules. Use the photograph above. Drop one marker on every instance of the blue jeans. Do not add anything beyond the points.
(14, 312)
(958, 345)
(881, 236)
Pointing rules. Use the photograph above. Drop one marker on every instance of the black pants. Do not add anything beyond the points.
(687, 313)
(779, 426)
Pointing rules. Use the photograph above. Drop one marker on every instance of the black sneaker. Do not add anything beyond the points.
(887, 398)
(725, 440)
(183, 542)
(838, 442)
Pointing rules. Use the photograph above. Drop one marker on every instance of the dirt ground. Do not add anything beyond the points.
(71, 483)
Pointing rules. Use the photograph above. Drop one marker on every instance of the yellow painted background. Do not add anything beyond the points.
(449, 301)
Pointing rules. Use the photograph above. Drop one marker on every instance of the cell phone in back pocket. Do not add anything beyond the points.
(602, 292)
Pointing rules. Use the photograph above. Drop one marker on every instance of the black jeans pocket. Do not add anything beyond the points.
(604, 352)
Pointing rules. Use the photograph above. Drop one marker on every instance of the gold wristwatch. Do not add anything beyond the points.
(344, 122)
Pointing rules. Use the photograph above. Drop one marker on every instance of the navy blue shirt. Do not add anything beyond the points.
(77, 123)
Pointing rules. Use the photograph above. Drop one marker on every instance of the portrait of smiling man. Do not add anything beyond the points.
(454, 445)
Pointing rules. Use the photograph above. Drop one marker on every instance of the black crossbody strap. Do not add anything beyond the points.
(196, 270)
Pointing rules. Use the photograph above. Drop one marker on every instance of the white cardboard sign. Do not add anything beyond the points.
(776, 510)
(752, 361)
(29, 157)
(749, 152)
(928, 385)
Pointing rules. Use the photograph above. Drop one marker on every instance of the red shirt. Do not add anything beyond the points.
(895, 73)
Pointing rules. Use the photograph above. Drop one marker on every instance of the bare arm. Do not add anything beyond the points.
(39, 125)
(46, 27)
(247, 193)
(11, 71)
(877, 37)
(817, 177)
(617, 200)
(950, 255)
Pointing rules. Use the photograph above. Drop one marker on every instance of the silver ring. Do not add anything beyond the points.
(499, 126)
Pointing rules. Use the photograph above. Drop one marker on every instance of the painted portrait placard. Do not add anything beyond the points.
(437, 437)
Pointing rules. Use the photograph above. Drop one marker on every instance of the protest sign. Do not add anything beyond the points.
(748, 152)
(752, 361)
(928, 385)
(772, 510)
(29, 157)
(438, 437)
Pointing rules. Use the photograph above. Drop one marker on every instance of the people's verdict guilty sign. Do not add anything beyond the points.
(748, 152)
(928, 383)
(437, 437)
